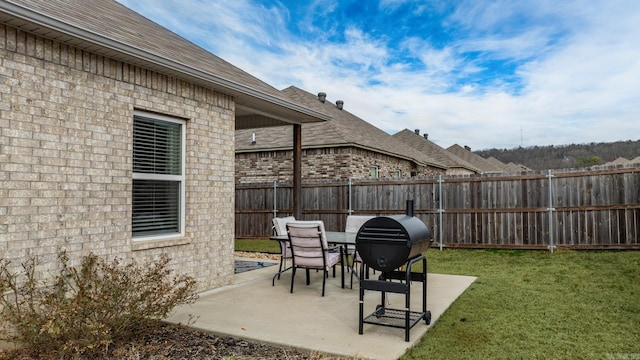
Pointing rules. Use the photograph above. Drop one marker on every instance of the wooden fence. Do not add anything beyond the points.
(589, 210)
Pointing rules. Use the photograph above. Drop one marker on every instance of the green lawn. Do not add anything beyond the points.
(255, 245)
(538, 305)
(532, 305)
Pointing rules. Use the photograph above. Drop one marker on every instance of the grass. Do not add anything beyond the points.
(538, 305)
(257, 245)
(532, 305)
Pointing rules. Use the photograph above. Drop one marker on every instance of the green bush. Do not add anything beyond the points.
(87, 309)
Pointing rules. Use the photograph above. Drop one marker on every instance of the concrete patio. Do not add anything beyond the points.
(254, 310)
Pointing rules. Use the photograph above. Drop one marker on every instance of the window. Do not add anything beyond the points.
(373, 172)
(158, 176)
(397, 174)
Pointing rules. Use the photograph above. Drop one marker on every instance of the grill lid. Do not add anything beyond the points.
(387, 242)
(397, 228)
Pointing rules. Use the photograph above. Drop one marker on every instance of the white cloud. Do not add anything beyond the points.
(578, 63)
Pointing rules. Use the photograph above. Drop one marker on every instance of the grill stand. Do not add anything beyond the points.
(398, 318)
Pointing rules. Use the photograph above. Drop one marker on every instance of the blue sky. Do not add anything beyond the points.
(487, 74)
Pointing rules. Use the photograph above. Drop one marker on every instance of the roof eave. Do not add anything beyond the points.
(244, 95)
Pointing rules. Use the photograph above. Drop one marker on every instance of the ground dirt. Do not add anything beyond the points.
(170, 341)
(256, 255)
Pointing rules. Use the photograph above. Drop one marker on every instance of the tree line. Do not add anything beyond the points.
(565, 156)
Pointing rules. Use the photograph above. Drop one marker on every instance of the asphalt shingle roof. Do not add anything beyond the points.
(433, 150)
(509, 168)
(619, 161)
(345, 129)
(476, 160)
(108, 28)
(111, 20)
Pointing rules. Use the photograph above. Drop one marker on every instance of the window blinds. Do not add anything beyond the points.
(157, 152)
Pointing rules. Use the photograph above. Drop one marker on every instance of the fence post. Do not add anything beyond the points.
(440, 210)
(275, 198)
(551, 209)
(350, 209)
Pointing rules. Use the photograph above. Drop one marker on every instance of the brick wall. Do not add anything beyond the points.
(337, 163)
(66, 123)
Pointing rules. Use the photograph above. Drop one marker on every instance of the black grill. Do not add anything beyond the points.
(388, 242)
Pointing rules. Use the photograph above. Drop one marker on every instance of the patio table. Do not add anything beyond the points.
(343, 239)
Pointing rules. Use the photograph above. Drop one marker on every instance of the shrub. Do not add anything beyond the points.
(85, 310)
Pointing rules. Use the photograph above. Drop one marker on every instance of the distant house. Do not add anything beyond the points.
(477, 161)
(117, 138)
(618, 161)
(342, 148)
(510, 168)
(454, 164)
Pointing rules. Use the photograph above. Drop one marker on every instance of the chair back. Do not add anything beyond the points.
(280, 229)
(353, 225)
(355, 222)
(314, 224)
(310, 251)
(280, 224)
(306, 242)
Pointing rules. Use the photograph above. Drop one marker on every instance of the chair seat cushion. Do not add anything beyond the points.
(310, 259)
(316, 262)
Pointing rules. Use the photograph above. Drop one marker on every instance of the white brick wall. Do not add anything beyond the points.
(66, 121)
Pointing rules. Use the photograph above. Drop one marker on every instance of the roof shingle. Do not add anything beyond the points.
(345, 129)
(431, 149)
(108, 28)
(476, 160)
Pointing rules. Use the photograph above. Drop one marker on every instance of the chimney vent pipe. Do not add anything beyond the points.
(339, 104)
(417, 131)
(409, 208)
(322, 97)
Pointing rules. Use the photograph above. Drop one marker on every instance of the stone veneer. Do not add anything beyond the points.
(66, 123)
(335, 163)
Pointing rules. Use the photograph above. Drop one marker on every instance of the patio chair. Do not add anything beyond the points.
(280, 228)
(354, 223)
(310, 250)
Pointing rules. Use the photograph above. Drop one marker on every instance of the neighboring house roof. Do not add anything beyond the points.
(426, 146)
(499, 164)
(345, 129)
(476, 160)
(509, 168)
(635, 160)
(515, 168)
(618, 161)
(110, 29)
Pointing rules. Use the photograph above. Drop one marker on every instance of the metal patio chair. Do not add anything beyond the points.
(280, 228)
(310, 250)
(354, 222)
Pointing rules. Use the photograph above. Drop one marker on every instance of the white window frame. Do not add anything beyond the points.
(164, 177)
